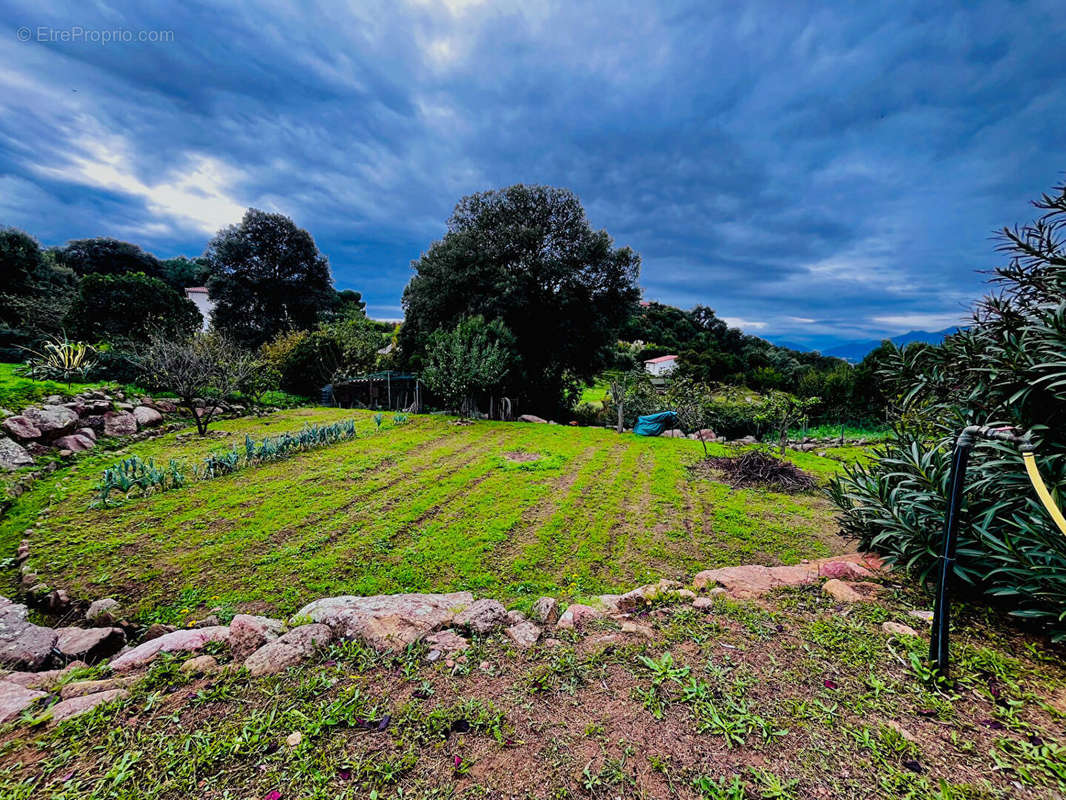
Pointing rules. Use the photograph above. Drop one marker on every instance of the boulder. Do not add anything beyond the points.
(147, 417)
(524, 634)
(645, 595)
(82, 688)
(88, 433)
(446, 641)
(898, 629)
(15, 699)
(184, 641)
(754, 580)
(386, 622)
(546, 610)
(65, 709)
(705, 435)
(53, 421)
(532, 418)
(44, 680)
(577, 616)
(105, 612)
(23, 645)
(157, 629)
(840, 591)
(921, 614)
(201, 665)
(844, 570)
(746, 581)
(163, 406)
(289, 649)
(514, 616)
(21, 428)
(248, 633)
(13, 455)
(673, 433)
(609, 603)
(75, 443)
(482, 616)
(89, 644)
(119, 423)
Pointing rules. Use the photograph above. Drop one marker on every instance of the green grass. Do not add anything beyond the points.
(851, 432)
(426, 506)
(782, 698)
(17, 392)
(596, 394)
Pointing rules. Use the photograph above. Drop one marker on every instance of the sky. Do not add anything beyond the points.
(814, 172)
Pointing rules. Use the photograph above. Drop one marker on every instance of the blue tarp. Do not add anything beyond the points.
(654, 424)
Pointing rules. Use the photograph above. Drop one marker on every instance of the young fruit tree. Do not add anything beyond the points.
(202, 371)
(691, 400)
(464, 360)
(781, 410)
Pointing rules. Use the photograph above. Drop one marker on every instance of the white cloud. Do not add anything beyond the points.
(922, 320)
(744, 324)
(198, 194)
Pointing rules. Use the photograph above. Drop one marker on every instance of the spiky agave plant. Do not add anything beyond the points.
(60, 359)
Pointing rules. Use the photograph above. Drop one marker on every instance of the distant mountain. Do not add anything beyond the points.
(799, 348)
(856, 351)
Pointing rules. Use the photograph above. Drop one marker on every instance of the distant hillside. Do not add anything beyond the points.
(856, 351)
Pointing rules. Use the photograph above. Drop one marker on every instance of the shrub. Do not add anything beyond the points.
(60, 359)
(1006, 368)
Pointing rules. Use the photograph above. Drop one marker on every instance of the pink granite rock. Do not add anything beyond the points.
(844, 570)
(289, 650)
(75, 443)
(21, 428)
(15, 699)
(184, 641)
(577, 616)
(387, 622)
(65, 709)
(119, 423)
(147, 417)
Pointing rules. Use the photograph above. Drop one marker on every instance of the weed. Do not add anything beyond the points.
(720, 789)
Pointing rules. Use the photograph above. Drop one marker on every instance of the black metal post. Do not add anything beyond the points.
(938, 641)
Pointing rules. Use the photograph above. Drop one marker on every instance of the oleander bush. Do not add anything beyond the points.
(1008, 368)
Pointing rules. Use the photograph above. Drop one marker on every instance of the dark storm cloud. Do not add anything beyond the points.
(817, 172)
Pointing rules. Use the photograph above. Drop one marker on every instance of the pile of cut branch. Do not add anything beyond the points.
(757, 469)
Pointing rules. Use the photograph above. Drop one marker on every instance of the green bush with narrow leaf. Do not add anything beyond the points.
(1007, 368)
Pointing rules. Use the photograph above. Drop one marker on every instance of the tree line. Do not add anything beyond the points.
(520, 298)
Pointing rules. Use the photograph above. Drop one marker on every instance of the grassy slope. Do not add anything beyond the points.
(792, 700)
(425, 506)
(17, 392)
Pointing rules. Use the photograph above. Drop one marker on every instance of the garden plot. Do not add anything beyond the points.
(505, 509)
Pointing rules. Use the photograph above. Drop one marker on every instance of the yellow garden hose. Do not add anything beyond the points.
(1041, 490)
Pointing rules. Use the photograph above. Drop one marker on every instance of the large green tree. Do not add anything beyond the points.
(130, 306)
(107, 256)
(35, 293)
(527, 257)
(267, 277)
(181, 272)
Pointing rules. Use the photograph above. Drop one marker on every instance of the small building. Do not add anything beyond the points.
(204, 304)
(663, 365)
